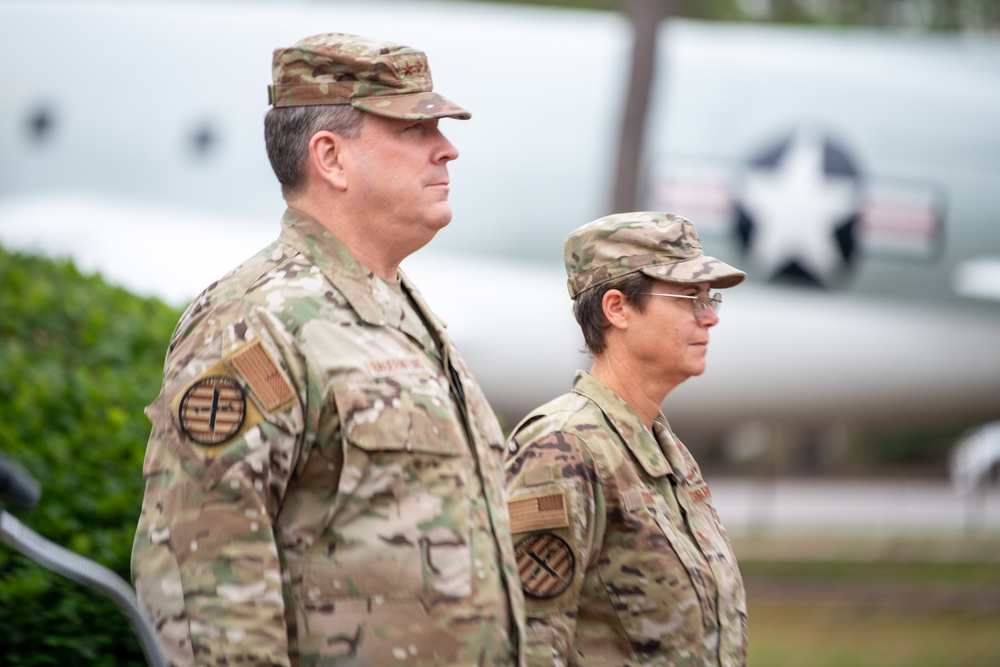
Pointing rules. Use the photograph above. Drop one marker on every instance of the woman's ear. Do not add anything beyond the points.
(616, 308)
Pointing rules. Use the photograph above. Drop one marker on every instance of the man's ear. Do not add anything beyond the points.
(326, 158)
(615, 307)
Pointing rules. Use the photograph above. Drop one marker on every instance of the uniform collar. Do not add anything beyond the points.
(367, 294)
(433, 321)
(626, 423)
(678, 457)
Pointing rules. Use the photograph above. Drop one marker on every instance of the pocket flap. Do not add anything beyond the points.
(387, 416)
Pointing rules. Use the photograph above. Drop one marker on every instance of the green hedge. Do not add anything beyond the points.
(79, 360)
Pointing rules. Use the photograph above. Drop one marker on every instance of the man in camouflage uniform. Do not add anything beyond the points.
(621, 555)
(324, 479)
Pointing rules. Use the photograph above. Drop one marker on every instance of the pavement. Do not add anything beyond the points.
(881, 508)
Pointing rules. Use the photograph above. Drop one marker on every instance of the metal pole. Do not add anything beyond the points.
(645, 17)
(86, 572)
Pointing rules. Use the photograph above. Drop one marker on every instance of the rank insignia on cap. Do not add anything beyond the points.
(212, 410)
(545, 564)
(263, 378)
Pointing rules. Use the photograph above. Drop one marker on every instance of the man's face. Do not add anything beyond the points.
(398, 178)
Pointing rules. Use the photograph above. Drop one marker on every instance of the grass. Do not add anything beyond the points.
(820, 634)
(834, 601)
(972, 573)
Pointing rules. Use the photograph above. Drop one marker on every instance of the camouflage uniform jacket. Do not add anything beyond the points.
(324, 481)
(621, 554)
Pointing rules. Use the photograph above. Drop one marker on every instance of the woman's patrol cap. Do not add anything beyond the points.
(663, 246)
(382, 78)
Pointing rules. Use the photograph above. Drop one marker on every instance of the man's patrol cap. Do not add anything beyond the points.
(663, 246)
(382, 78)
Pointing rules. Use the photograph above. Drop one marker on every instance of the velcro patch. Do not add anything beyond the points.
(636, 498)
(539, 476)
(538, 512)
(262, 376)
(545, 565)
(212, 410)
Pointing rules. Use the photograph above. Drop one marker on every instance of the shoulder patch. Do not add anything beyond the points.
(538, 512)
(545, 564)
(260, 372)
(195, 407)
(212, 410)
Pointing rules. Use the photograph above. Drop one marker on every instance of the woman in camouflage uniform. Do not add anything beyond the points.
(622, 557)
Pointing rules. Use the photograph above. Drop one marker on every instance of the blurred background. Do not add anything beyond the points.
(845, 153)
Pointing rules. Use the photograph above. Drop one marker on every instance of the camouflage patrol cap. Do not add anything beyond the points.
(663, 246)
(382, 78)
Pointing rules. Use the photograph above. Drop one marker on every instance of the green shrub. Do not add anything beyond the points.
(79, 360)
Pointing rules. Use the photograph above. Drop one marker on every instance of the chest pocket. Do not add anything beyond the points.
(401, 524)
(654, 573)
(649, 574)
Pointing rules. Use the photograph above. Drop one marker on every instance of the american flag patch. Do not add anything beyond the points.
(257, 368)
(537, 513)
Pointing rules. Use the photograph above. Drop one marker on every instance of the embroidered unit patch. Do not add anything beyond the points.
(545, 564)
(212, 410)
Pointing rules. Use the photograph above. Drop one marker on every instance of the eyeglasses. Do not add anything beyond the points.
(700, 302)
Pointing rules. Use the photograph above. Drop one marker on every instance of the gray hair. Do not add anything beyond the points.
(288, 130)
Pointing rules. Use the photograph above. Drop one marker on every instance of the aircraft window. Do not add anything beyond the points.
(203, 140)
(836, 161)
(40, 124)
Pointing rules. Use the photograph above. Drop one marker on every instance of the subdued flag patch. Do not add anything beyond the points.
(263, 378)
(538, 512)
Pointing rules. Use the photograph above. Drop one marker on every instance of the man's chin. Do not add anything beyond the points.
(442, 218)
(431, 227)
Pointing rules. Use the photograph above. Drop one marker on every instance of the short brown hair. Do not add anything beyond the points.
(589, 309)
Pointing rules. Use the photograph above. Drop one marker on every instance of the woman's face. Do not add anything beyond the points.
(669, 337)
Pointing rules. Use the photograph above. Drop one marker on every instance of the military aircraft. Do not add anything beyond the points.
(855, 175)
